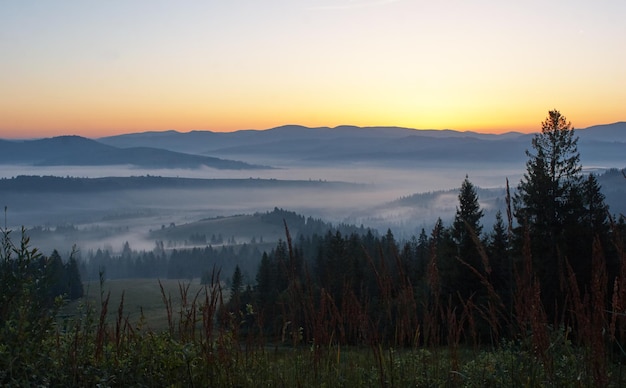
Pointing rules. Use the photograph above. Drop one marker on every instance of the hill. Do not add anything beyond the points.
(80, 151)
(257, 228)
(615, 132)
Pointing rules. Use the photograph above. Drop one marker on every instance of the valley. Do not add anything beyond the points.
(380, 178)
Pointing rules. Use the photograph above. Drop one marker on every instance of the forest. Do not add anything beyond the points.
(538, 299)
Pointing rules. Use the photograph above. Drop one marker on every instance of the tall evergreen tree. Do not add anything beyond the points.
(588, 222)
(280, 258)
(552, 175)
(423, 251)
(57, 284)
(499, 257)
(548, 199)
(596, 211)
(236, 289)
(236, 284)
(265, 281)
(444, 255)
(466, 231)
(75, 286)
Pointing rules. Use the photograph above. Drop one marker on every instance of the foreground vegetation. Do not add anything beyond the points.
(203, 341)
(202, 344)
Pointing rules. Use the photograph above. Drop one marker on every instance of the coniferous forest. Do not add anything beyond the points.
(537, 299)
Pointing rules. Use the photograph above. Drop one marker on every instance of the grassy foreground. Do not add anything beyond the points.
(184, 335)
(166, 333)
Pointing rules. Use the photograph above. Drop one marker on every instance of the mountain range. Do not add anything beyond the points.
(378, 145)
(293, 144)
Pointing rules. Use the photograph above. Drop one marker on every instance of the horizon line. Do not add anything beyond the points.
(470, 131)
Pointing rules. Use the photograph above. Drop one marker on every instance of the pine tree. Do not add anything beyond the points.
(466, 231)
(588, 222)
(468, 215)
(280, 258)
(56, 279)
(75, 285)
(423, 250)
(596, 211)
(444, 254)
(264, 281)
(548, 199)
(235, 303)
(499, 256)
(552, 176)
(236, 283)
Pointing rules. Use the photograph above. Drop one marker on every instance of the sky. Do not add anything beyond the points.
(109, 67)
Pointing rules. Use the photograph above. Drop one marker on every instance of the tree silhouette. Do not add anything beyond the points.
(466, 231)
(548, 199)
(236, 284)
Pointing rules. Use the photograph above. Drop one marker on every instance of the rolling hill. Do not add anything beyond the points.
(80, 151)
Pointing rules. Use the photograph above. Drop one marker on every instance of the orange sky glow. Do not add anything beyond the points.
(118, 67)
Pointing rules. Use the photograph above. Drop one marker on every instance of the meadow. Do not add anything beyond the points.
(142, 299)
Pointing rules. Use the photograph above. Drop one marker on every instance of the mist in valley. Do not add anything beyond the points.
(381, 181)
(107, 219)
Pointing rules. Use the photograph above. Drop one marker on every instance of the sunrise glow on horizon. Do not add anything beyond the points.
(106, 68)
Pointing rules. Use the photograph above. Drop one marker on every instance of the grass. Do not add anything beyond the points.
(140, 295)
(110, 354)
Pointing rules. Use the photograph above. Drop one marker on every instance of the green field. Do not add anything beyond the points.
(139, 295)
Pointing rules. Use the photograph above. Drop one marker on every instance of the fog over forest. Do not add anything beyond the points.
(361, 182)
(359, 202)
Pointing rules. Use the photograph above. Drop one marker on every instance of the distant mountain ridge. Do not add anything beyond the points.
(295, 143)
(615, 132)
(80, 151)
(206, 141)
(601, 145)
